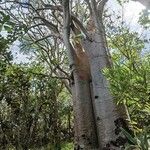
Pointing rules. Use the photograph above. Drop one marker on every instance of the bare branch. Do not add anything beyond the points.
(66, 26)
(46, 75)
(50, 25)
(51, 7)
(40, 24)
(59, 8)
(100, 6)
(60, 69)
(80, 26)
(43, 38)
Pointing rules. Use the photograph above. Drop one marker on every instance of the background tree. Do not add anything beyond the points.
(33, 113)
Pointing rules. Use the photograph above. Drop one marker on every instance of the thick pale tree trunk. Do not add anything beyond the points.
(109, 116)
(93, 104)
(107, 113)
(85, 128)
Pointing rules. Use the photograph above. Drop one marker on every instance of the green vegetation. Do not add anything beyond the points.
(35, 105)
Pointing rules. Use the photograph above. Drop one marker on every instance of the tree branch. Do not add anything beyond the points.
(40, 24)
(100, 6)
(46, 75)
(66, 34)
(79, 24)
(50, 25)
(51, 7)
(72, 16)
(17, 2)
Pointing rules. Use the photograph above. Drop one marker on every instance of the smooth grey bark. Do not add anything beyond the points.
(106, 111)
(95, 99)
(85, 136)
(108, 115)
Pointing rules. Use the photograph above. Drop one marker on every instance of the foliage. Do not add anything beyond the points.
(129, 77)
(121, 2)
(144, 18)
(35, 111)
(130, 83)
(5, 25)
(138, 142)
(31, 107)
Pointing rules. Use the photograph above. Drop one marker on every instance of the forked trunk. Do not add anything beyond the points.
(93, 105)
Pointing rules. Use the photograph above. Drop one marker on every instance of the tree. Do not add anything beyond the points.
(98, 118)
(31, 113)
(108, 116)
(34, 107)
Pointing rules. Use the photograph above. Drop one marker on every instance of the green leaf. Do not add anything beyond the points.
(1, 26)
(7, 28)
(129, 137)
(6, 18)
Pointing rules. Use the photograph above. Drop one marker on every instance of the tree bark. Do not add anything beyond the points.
(85, 128)
(107, 113)
(93, 104)
(85, 136)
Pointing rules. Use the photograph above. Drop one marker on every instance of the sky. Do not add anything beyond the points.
(130, 11)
